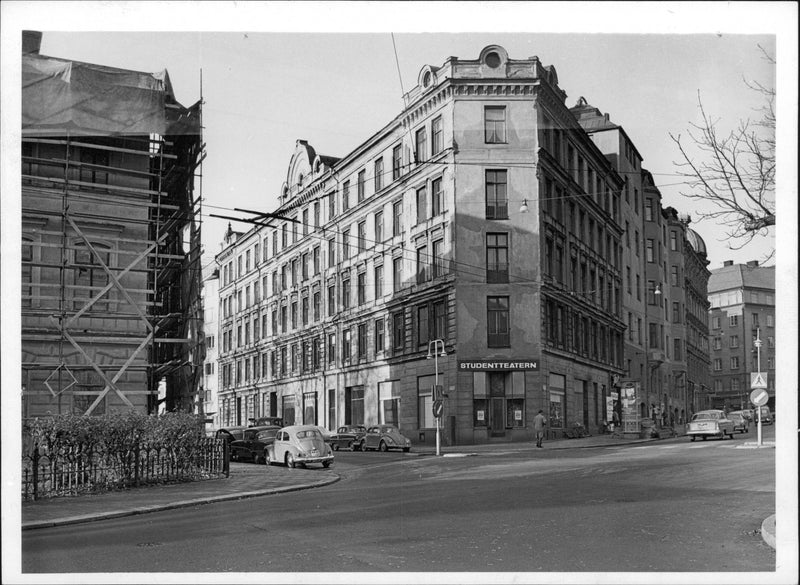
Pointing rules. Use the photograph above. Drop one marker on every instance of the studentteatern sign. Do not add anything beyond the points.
(479, 365)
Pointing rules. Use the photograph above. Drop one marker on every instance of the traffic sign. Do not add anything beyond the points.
(759, 396)
(758, 380)
(438, 406)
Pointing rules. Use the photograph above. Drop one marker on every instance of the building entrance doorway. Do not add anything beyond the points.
(497, 422)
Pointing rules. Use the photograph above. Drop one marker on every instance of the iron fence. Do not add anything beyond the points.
(86, 468)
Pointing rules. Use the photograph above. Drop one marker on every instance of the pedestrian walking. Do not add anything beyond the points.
(539, 423)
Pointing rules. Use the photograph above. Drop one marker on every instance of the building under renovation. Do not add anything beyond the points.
(111, 313)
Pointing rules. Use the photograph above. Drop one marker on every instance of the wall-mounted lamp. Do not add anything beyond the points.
(658, 289)
(524, 207)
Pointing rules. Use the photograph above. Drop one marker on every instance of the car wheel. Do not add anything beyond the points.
(336, 446)
(383, 447)
(363, 446)
(692, 438)
(406, 449)
(290, 460)
(234, 456)
(327, 464)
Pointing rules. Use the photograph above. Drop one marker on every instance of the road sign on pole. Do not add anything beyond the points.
(758, 380)
(759, 397)
(438, 406)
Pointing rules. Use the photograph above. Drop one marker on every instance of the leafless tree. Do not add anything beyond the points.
(734, 172)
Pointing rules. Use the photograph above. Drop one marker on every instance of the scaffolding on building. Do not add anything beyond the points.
(111, 152)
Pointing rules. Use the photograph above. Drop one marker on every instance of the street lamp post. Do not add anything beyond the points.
(757, 343)
(435, 355)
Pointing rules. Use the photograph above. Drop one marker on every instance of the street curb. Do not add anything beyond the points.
(173, 505)
(768, 530)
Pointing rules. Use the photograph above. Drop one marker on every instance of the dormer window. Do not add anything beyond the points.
(426, 80)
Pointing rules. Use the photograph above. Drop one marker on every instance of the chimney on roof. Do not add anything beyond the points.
(752, 264)
(727, 263)
(31, 41)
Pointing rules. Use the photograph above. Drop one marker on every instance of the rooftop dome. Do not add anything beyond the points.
(696, 241)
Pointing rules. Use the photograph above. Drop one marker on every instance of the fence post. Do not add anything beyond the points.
(136, 464)
(226, 464)
(35, 472)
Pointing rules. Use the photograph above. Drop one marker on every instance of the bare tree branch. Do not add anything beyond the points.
(734, 173)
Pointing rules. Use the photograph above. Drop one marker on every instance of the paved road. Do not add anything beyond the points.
(666, 506)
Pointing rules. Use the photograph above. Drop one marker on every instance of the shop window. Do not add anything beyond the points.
(354, 405)
(425, 384)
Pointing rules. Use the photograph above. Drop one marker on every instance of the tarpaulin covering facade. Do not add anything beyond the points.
(59, 95)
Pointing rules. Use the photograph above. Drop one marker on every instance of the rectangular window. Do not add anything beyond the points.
(673, 240)
(425, 419)
(362, 341)
(361, 288)
(496, 257)
(316, 306)
(332, 205)
(422, 204)
(436, 139)
(361, 185)
(379, 341)
(305, 222)
(650, 250)
(331, 347)
(734, 363)
(345, 196)
(422, 145)
(346, 293)
(422, 325)
(439, 329)
(438, 259)
(316, 214)
(397, 218)
(397, 162)
(494, 124)
(345, 244)
(331, 252)
(436, 197)
(733, 320)
(346, 348)
(362, 236)
(398, 332)
(676, 312)
(422, 264)
(331, 300)
(673, 275)
(733, 341)
(304, 310)
(648, 209)
(678, 349)
(378, 174)
(378, 281)
(497, 322)
(397, 273)
(315, 260)
(496, 194)
(304, 266)
(378, 227)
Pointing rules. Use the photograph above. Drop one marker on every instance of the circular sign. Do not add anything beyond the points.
(759, 397)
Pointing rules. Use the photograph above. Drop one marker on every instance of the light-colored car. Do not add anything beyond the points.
(740, 423)
(300, 445)
(709, 423)
(385, 437)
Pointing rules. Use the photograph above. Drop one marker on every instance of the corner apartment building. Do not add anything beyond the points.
(483, 216)
(208, 395)
(742, 298)
(665, 277)
(110, 245)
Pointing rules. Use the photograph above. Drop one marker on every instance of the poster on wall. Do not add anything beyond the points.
(630, 414)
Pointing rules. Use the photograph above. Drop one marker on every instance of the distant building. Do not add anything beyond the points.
(742, 298)
(208, 395)
(110, 245)
(483, 217)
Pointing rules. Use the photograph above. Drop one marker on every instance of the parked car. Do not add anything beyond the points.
(230, 434)
(267, 421)
(253, 443)
(740, 423)
(767, 417)
(299, 445)
(710, 423)
(348, 437)
(748, 414)
(383, 438)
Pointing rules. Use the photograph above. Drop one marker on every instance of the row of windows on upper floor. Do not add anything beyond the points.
(736, 385)
(737, 297)
(735, 363)
(430, 259)
(733, 341)
(734, 321)
(429, 322)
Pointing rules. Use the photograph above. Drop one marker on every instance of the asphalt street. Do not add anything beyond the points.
(670, 506)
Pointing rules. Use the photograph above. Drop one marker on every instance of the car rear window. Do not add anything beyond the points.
(307, 434)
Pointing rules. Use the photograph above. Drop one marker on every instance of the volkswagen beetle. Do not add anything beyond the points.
(385, 437)
(348, 437)
(299, 445)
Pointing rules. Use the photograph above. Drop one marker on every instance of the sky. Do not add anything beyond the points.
(266, 86)
(273, 73)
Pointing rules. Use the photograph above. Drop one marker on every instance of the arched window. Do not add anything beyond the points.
(89, 277)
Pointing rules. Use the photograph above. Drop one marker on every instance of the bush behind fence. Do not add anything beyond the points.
(87, 468)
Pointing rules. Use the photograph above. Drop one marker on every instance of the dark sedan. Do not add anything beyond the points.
(348, 437)
(253, 444)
